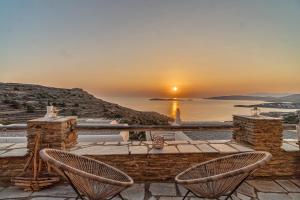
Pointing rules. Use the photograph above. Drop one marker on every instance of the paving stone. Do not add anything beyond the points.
(5, 145)
(288, 185)
(18, 146)
(206, 148)
(136, 143)
(2, 151)
(13, 193)
(218, 141)
(294, 196)
(102, 150)
(243, 197)
(289, 147)
(81, 144)
(183, 191)
(135, 192)
(100, 143)
(266, 186)
(125, 143)
(147, 142)
(240, 147)
(247, 190)
(198, 142)
(294, 144)
(177, 142)
(56, 191)
(111, 143)
(115, 198)
(166, 149)
(223, 148)
(296, 181)
(138, 149)
(233, 197)
(47, 198)
(162, 189)
(188, 149)
(273, 196)
(14, 153)
(170, 198)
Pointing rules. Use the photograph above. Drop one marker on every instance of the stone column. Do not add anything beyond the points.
(260, 132)
(58, 133)
(298, 126)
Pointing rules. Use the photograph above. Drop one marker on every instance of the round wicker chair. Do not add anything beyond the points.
(88, 177)
(221, 176)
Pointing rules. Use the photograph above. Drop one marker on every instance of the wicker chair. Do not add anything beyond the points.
(221, 176)
(88, 177)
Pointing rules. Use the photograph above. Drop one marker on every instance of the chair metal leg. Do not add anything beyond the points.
(73, 186)
(186, 195)
(236, 188)
(121, 196)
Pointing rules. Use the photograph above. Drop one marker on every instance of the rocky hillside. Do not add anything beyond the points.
(293, 98)
(21, 102)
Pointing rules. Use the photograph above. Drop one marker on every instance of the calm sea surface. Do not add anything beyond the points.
(195, 110)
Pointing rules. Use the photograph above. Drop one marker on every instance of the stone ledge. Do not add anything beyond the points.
(130, 148)
(260, 117)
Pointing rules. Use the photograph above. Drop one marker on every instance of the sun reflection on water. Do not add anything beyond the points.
(174, 106)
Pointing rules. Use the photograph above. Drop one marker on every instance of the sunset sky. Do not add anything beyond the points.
(145, 48)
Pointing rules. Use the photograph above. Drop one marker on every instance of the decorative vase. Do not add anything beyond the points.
(51, 112)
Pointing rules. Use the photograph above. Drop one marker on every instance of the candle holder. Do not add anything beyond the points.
(158, 141)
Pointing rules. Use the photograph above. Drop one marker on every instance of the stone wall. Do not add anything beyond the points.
(11, 167)
(258, 133)
(155, 167)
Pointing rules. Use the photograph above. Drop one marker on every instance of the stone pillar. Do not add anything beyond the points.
(298, 126)
(58, 133)
(260, 132)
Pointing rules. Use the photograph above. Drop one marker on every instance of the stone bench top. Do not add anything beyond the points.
(136, 147)
(171, 147)
(145, 147)
(57, 119)
(290, 145)
(13, 150)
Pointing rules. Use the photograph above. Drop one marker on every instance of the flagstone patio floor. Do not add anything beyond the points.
(279, 189)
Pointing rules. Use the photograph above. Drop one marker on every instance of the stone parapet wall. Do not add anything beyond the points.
(146, 164)
(156, 167)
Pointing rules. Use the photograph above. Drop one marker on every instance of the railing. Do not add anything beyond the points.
(121, 127)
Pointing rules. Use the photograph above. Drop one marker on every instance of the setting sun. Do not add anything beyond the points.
(174, 88)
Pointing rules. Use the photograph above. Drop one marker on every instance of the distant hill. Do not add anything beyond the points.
(21, 102)
(290, 98)
(294, 98)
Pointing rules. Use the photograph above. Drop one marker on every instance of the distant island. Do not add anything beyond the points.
(285, 102)
(170, 99)
(21, 102)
